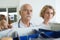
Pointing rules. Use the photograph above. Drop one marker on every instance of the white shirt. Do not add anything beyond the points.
(23, 29)
(21, 24)
(43, 26)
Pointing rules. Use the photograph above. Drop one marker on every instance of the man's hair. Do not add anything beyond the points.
(23, 7)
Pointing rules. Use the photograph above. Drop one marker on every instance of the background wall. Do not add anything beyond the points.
(37, 6)
(9, 4)
(57, 11)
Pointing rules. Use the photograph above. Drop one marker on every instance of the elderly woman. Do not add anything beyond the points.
(47, 13)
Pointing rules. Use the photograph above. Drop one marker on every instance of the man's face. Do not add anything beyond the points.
(26, 12)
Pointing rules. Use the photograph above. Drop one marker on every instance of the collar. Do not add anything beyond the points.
(23, 25)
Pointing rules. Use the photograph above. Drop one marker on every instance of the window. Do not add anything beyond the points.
(12, 15)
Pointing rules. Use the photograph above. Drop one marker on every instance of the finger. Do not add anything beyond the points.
(10, 26)
(2, 27)
(5, 27)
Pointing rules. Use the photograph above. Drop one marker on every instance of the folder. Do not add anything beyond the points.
(49, 33)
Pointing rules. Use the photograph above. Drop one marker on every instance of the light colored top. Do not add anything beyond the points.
(21, 24)
(51, 26)
(43, 26)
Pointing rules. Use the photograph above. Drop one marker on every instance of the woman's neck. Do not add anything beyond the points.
(46, 22)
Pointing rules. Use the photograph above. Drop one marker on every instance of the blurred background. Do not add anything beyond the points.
(10, 8)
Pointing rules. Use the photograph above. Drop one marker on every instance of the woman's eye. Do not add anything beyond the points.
(51, 13)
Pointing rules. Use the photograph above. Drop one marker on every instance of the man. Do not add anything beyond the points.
(26, 13)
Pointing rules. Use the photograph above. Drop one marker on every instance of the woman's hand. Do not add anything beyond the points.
(4, 25)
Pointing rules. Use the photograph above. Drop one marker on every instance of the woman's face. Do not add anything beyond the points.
(48, 14)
